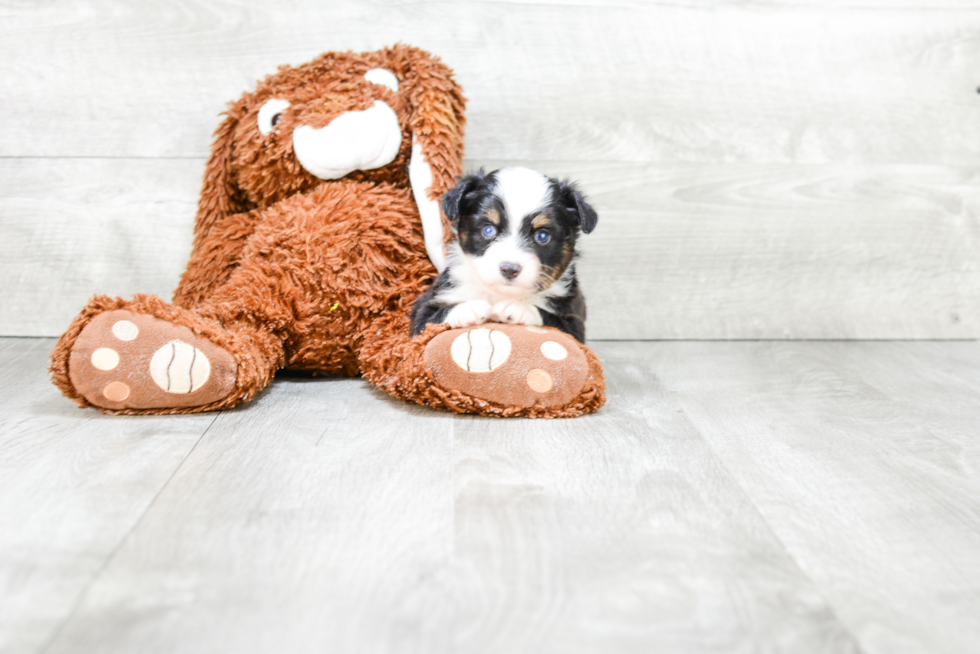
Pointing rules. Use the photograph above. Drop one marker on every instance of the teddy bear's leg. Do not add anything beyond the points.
(147, 356)
(491, 369)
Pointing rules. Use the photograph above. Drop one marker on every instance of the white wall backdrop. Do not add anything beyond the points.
(780, 169)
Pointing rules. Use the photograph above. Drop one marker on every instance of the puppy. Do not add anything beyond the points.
(513, 260)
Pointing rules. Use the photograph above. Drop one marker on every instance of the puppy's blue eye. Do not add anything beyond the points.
(542, 236)
(488, 231)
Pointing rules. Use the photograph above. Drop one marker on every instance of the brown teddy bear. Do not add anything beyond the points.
(318, 227)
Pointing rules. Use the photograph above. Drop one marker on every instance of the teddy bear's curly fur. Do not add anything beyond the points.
(318, 270)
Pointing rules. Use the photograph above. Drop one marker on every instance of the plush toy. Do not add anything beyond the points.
(318, 227)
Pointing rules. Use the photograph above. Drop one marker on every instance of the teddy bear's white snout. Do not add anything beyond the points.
(355, 140)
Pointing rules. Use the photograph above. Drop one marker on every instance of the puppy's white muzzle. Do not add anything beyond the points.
(355, 140)
(509, 253)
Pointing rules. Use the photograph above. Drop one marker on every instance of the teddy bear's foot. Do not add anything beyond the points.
(127, 360)
(512, 365)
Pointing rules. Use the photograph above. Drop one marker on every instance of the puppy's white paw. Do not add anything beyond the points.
(516, 313)
(467, 314)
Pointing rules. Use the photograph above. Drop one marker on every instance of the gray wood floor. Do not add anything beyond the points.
(731, 497)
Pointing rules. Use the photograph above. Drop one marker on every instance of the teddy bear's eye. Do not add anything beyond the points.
(270, 114)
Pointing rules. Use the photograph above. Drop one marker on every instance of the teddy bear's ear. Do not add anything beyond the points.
(220, 197)
(436, 122)
(437, 116)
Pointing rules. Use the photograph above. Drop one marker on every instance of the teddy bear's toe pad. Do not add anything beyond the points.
(126, 360)
(515, 365)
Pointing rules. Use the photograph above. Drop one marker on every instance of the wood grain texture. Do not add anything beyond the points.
(681, 251)
(620, 532)
(939, 389)
(774, 251)
(763, 169)
(318, 518)
(876, 500)
(728, 4)
(639, 82)
(73, 484)
(731, 497)
(76, 227)
(326, 516)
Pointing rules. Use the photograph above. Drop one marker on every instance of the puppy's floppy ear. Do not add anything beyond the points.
(454, 202)
(573, 200)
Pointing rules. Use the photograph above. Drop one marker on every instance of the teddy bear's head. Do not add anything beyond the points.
(374, 116)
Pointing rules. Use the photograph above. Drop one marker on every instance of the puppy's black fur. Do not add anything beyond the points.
(477, 207)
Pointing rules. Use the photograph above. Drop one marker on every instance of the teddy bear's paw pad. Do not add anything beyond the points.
(515, 365)
(126, 360)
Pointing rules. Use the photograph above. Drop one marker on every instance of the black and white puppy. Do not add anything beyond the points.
(513, 260)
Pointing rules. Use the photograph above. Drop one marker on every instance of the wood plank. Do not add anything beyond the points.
(730, 497)
(316, 518)
(73, 484)
(871, 234)
(783, 4)
(76, 227)
(642, 82)
(619, 532)
(782, 252)
(937, 385)
(681, 250)
(880, 510)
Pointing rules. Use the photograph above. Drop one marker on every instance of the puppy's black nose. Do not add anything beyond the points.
(510, 270)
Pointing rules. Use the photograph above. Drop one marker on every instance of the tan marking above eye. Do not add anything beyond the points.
(540, 221)
(493, 216)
